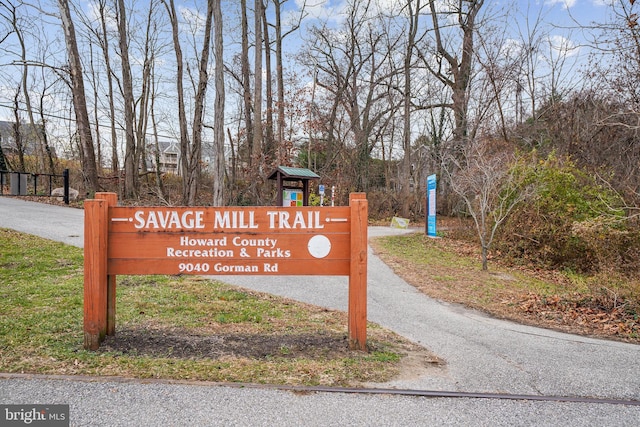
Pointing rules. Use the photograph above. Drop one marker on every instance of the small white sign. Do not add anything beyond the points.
(319, 246)
(397, 222)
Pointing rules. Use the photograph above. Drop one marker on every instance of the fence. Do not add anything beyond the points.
(27, 184)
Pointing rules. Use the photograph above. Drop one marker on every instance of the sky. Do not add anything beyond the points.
(562, 16)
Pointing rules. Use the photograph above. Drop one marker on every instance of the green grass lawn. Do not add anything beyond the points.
(175, 327)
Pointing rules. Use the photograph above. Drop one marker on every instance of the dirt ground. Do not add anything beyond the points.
(180, 343)
(183, 343)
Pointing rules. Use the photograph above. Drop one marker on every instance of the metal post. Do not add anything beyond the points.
(65, 177)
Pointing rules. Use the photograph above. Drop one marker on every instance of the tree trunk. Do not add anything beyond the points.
(218, 133)
(405, 192)
(90, 172)
(282, 151)
(4, 165)
(130, 157)
(13, 18)
(152, 98)
(182, 117)
(191, 150)
(257, 91)
(96, 111)
(460, 70)
(485, 256)
(17, 133)
(246, 81)
(145, 94)
(115, 162)
(195, 153)
(269, 146)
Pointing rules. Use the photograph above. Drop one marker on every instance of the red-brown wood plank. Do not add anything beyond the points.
(112, 200)
(358, 273)
(95, 272)
(230, 267)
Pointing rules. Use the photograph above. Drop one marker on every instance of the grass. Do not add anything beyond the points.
(445, 267)
(450, 270)
(175, 328)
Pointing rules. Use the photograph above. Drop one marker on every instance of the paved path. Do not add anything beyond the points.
(482, 354)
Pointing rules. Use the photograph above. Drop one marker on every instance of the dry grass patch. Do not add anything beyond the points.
(450, 270)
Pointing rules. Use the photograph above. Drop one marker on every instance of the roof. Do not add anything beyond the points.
(172, 148)
(294, 173)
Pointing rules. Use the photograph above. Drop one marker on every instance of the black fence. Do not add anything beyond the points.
(33, 184)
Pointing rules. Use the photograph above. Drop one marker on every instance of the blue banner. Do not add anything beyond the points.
(431, 206)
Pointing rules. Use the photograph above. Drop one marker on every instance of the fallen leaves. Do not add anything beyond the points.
(527, 294)
(579, 311)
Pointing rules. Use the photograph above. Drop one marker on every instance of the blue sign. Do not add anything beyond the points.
(431, 206)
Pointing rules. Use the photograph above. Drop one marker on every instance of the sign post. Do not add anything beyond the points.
(231, 240)
(321, 192)
(431, 206)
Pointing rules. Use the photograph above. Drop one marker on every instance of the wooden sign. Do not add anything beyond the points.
(221, 241)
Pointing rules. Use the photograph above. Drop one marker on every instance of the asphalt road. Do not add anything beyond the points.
(482, 354)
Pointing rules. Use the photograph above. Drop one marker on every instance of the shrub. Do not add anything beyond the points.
(558, 227)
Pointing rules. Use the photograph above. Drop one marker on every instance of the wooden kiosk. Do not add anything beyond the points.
(285, 176)
(207, 241)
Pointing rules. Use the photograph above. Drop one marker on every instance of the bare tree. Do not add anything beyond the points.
(269, 149)
(17, 22)
(130, 156)
(246, 78)
(413, 12)
(218, 133)
(617, 40)
(25, 86)
(490, 187)
(103, 38)
(256, 150)
(191, 147)
(90, 172)
(454, 66)
(143, 100)
(94, 82)
(527, 80)
(17, 131)
(354, 71)
(4, 164)
(195, 154)
(47, 81)
(498, 69)
(154, 125)
(280, 36)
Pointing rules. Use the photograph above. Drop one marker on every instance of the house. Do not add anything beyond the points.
(169, 157)
(28, 137)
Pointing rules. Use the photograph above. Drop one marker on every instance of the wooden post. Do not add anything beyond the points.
(95, 272)
(280, 196)
(112, 200)
(358, 273)
(305, 192)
